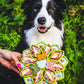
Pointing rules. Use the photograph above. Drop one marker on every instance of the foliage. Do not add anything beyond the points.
(74, 43)
(11, 20)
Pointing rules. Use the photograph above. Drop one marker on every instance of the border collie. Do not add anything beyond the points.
(43, 23)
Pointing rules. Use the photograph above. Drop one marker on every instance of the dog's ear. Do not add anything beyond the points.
(61, 4)
(60, 7)
(27, 6)
(26, 3)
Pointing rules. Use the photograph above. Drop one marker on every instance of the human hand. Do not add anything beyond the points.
(10, 59)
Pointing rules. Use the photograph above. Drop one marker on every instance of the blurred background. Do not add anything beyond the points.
(11, 21)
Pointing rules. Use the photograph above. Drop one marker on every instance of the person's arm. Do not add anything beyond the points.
(10, 59)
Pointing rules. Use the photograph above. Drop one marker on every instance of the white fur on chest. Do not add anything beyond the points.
(53, 36)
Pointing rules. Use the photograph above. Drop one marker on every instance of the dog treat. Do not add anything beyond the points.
(50, 65)
(34, 50)
(34, 68)
(42, 64)
(26, 71)
(47, 49)
(42, 56)
(58, 66)
(38, 77)
(28, 59)
(53, 66)
(49, 76)
(56, 55)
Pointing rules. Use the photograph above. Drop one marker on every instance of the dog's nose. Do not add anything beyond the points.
(41, 20)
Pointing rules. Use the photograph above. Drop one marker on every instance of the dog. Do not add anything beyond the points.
(43, 23)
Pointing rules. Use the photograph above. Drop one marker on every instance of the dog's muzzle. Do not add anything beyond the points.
(41, 20)
(42, 28)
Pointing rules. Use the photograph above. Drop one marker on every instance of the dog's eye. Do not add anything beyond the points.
(35, 10)
(37, 7)
(51, 9)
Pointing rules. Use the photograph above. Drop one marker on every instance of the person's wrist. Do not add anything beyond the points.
(0, 49)
(0, 52)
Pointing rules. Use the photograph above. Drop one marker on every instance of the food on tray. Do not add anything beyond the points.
(58, 66)
(56, 55)
(28, 59)
(38, 77)
(47, 48)
(53, 66)
(26, 71)
(34, 68)
(34, 50)
(49, 76)
(42, 55)
(42, 64)
(50, 65)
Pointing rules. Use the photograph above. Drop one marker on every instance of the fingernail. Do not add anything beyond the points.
(19, 65)
(18, 72)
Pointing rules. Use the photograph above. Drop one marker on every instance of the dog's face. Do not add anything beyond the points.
(43, 14)
(44, 10)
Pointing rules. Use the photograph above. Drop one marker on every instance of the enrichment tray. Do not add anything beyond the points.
(43, 64)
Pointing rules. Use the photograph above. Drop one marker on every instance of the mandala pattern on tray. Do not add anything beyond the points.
(43, 64)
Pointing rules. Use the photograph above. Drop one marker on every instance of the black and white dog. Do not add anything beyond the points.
(43, 23)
